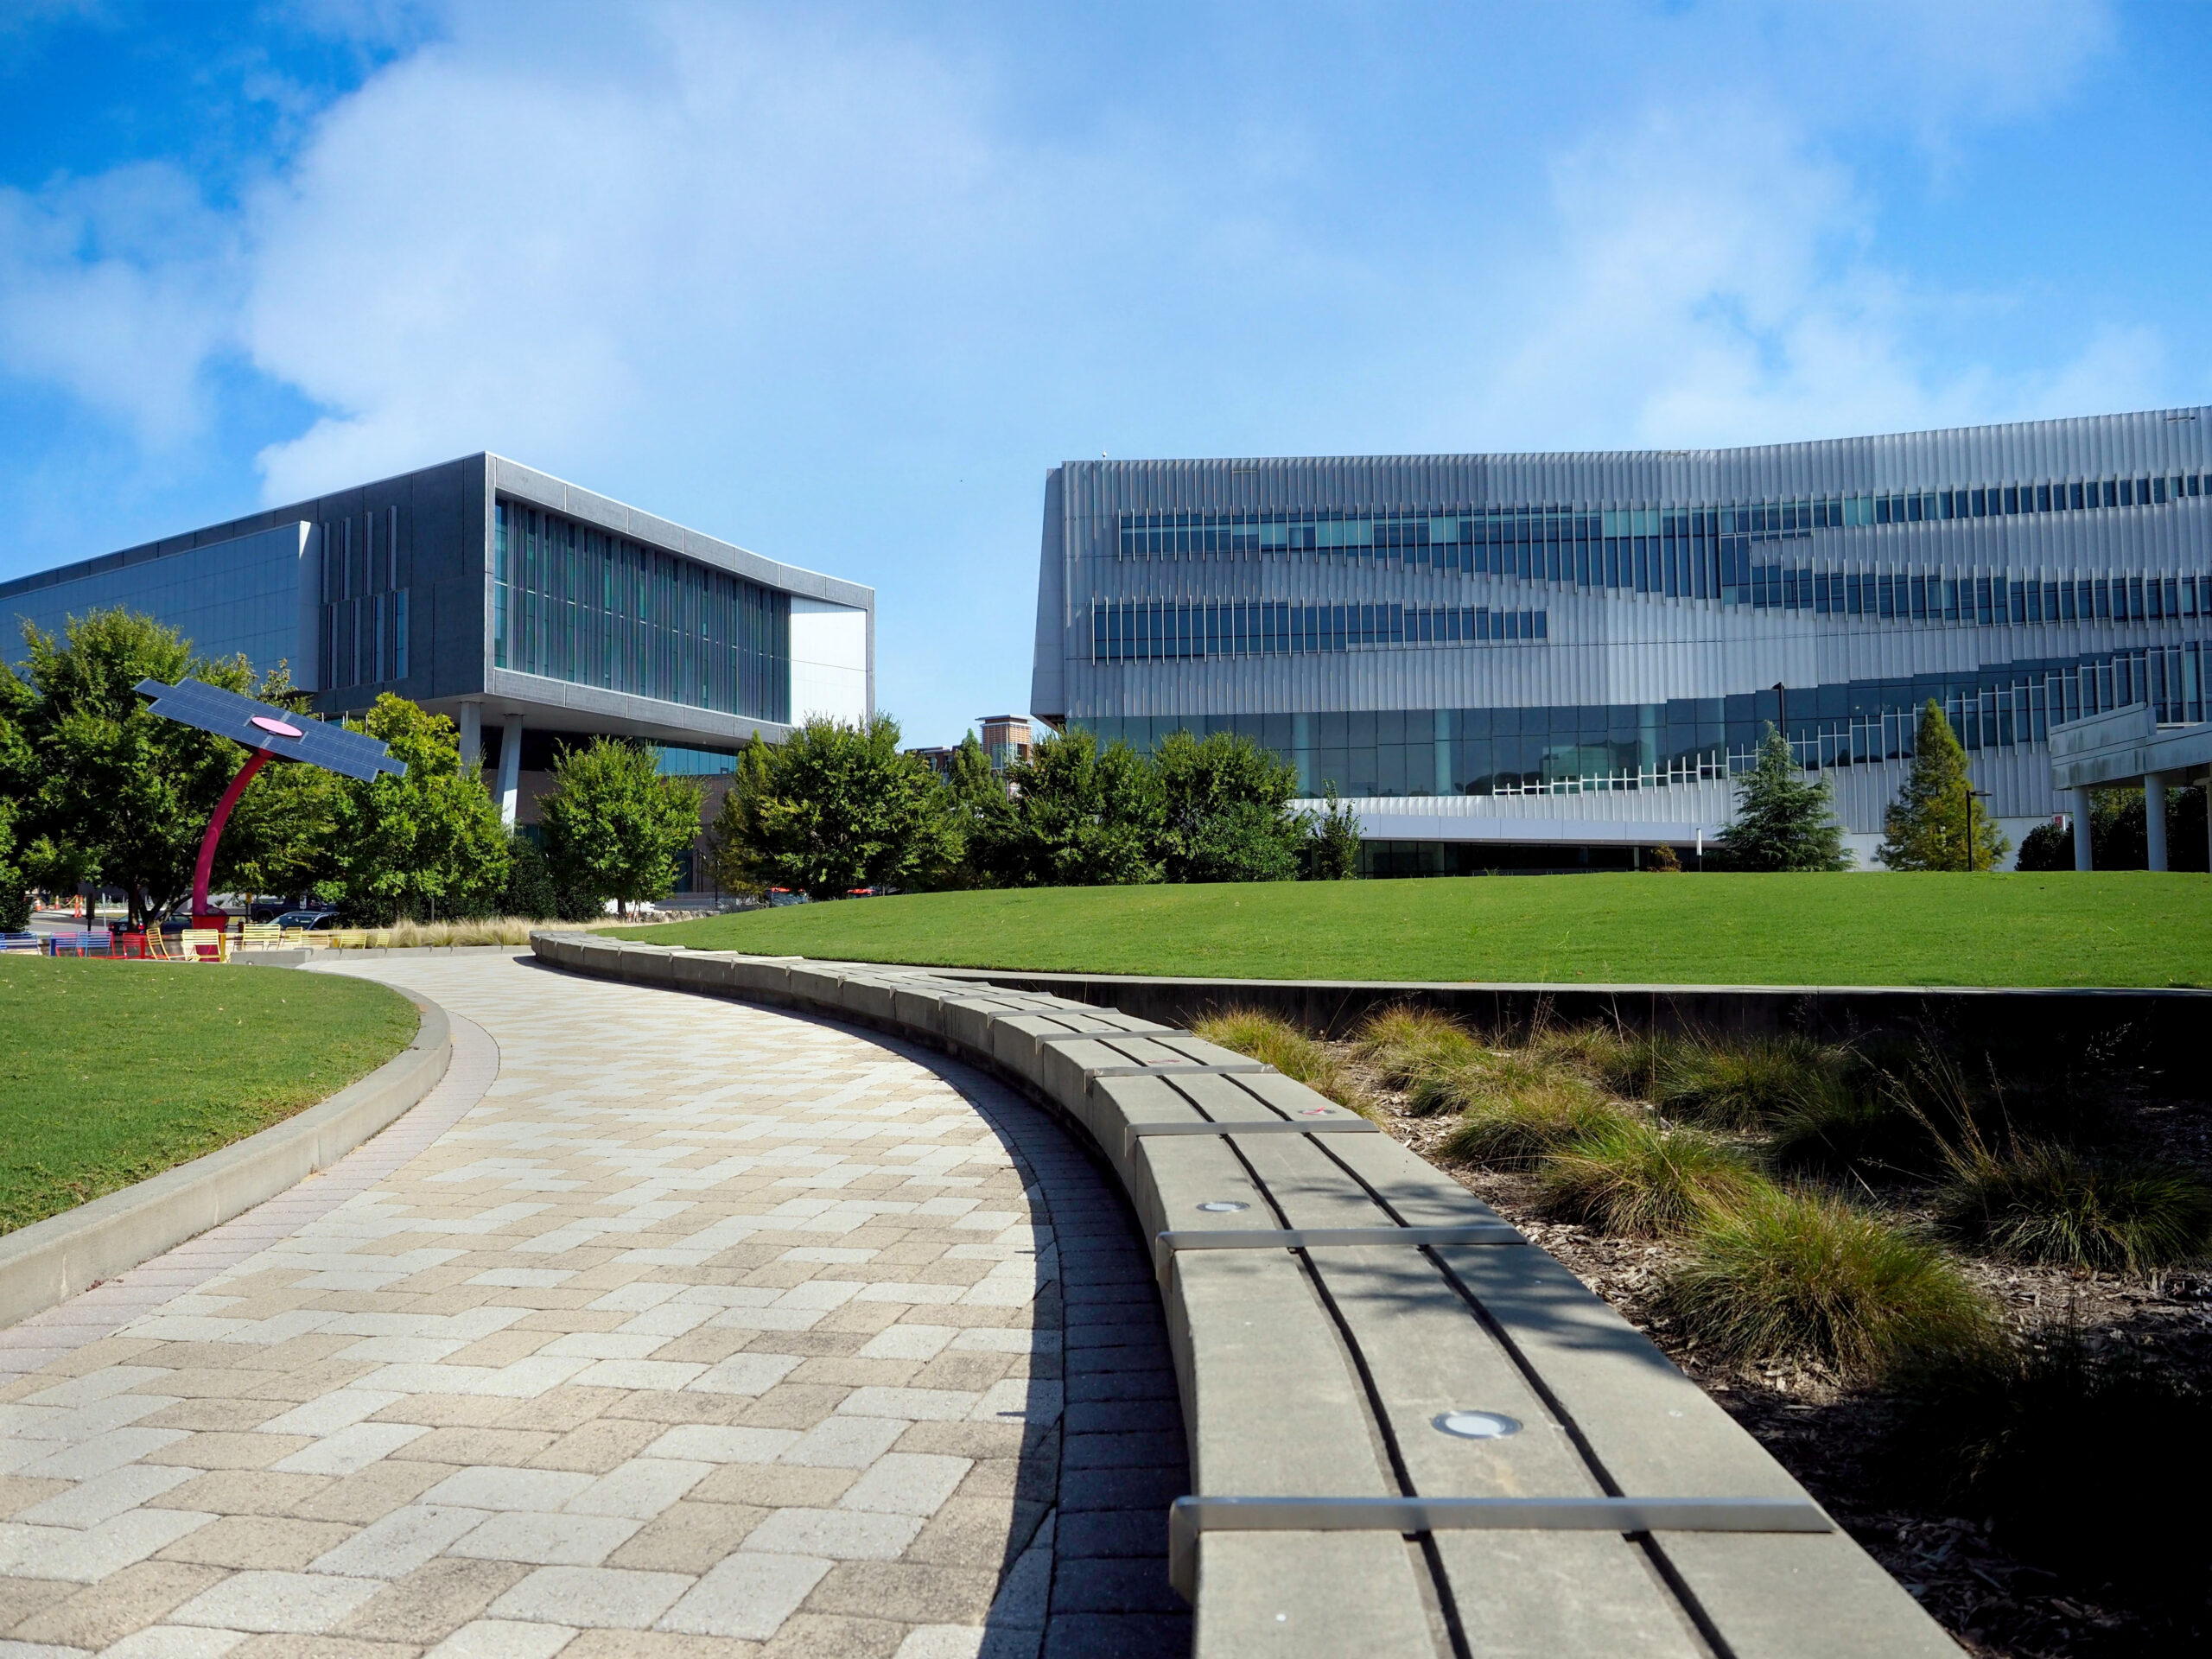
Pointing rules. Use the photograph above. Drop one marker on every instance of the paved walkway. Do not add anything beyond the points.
(664, 1326)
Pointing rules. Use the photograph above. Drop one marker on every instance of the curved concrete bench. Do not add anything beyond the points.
(1410, 1430)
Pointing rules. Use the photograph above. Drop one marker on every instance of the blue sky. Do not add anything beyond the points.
(841, 283)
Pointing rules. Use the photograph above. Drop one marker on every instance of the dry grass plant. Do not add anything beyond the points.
(1637, 1177)
(2029, 1199)
(409, 935)
(1264, 1036)
(1803, 1276)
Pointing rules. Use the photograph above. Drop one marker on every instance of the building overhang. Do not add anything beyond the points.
(2119, 749)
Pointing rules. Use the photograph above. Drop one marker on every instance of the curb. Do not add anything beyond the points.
(50, 1260)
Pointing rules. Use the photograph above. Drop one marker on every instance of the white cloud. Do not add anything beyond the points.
(118, 289)
(548, 252)
(1715, 278)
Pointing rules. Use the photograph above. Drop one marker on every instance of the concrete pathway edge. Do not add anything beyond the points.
(49, 1261)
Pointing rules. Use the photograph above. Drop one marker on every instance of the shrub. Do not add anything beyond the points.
(1738, 1082)
(1404, 1043)
(1850, 1131)
(1620, 1064)
(2037, 1202)
(1519, 1124)
(2075, 1455)
(1281, 1045)
(1802, 1276)
(1632, 1176)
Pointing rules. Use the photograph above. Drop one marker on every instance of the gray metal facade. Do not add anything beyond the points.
(392, 586)
(1581, 646)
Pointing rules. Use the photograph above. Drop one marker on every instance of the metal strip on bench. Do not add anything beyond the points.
(1164, 1245)
(1131, 1133)
(1174, 1069)
(1111, 1035)
(1188, 1516)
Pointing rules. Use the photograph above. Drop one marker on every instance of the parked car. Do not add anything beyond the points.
(308, 920)
(269, 910)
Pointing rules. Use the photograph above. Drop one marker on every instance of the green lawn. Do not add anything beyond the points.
(110, 1072)
(2109, 928)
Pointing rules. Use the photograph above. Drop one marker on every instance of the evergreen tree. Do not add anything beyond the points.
(615, 825)
(1784, 820)
(1934, 819)
(831, 808)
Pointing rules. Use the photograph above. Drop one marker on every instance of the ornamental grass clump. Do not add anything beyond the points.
(1633, 1176)
(2039, 1202)
(1744, 1082)
(1519, 1124)
(1404, 1043)
(1804, 1277)
(1264, 1037)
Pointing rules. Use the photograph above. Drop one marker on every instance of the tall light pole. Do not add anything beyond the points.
(1781, 716)
(1973, 795)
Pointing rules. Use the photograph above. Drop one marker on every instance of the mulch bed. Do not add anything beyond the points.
(1831, 1438)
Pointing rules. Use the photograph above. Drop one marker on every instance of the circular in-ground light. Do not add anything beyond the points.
(1476, 1425)
(1223, 1206)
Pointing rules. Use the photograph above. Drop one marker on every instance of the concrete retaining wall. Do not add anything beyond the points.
(51, 1261)
(2163, 1028)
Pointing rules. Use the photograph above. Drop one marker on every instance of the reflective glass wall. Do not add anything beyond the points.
(574, 603)
(1645, 745)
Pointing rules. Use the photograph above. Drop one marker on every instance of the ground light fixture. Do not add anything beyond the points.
(270, 733)
(1223, 1206)
(1476, 1425)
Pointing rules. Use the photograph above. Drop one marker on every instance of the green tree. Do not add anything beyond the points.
(615, 824)
(1226, 811)
(1784, 821)
(18, 777)
(832, 808)
(1082, 816)
(1935, 823)
(1331, 850)
(981, 812)
(421, 847)
(117, 794)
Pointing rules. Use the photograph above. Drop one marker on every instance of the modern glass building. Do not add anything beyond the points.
(1552, 660)
(501, 597)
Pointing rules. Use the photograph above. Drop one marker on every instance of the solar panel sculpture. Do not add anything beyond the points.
(271, 733)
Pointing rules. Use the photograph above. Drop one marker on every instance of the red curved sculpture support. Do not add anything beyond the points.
(205, 866)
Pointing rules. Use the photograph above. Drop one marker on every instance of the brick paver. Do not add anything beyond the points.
(664, 1326)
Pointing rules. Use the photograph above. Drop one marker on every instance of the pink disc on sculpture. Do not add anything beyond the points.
(275, 726)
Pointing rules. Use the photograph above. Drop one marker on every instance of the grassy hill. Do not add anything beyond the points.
(2116, 928)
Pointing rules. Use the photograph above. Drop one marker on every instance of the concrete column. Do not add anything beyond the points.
(472, 738)
(2077, 807)
(2154, 817)
(510, 767)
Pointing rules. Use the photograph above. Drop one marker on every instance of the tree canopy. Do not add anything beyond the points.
(1784, 821)
(615, 825)
(832, 808)
(1226, 811)
(107, 791)
(1082, 816)
(1935, 823)
(424, 846)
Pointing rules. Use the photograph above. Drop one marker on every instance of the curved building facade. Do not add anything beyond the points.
(1552, 658)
